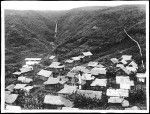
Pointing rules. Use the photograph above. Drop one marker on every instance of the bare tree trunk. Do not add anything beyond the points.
(137, 45)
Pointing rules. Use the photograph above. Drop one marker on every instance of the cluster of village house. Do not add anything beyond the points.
(91, 75)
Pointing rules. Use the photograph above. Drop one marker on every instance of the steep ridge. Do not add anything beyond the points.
(100, 30)
(95, 29)
(28, 34)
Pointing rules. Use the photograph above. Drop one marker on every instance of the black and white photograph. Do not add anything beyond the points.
(75, 56)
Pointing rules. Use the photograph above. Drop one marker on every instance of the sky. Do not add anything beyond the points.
(59, 5)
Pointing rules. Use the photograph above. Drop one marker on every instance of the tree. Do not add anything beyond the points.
(137, 45)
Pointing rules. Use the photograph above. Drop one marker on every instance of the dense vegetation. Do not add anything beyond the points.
(28, 34)
(97, 29)
(101, 31)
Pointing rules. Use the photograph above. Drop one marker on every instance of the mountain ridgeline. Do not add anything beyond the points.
(96, 29)
(29, 34)
(101, 31)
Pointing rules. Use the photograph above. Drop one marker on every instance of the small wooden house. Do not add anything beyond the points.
(67, 90)
(32, 61)
(117, 92)
(10, 98)
(44, 74)
(56, 102)
(124, 82)
(10, 87)
(53, 102)
(52, 81)
(20, 86)
(141, 77)
(97, 71)
(13, 108)
(114, 60)
(92, 64)
(87, 54)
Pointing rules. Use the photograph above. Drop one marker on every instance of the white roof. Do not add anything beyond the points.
(54, 100)
(69, 61)
(141, 80)
(23, 70)
(87, 53)
(133, 108)
(33, 59)
(115, 100)
(93, 64)
(45, 73)
(51, 80)
(54, 64)
(141, 75)
(81, 56)
(122, 79)
(62, 66)
(68, 89)
(71, 74)
(10, 87)
(24, 79)
(69, 108)
(125, 103)
(10, 98)
(7, 92)
(96, 71)
(13, 108)
(52, 57)
(20, 86)
(99, 82)
(120, 65)
(133, 64)
(131, 69)
(90, 94)
(125, 70)
(80, 68)
(114, 60)
(94, 27)
(27, 66)
(123, 61)
(126, 57)
(32, 62)
(125, 86)
(87, 76)
(124, 82)
(28, 88)
(76, 58)
(117, 92)
(17, 73)
(85, 70)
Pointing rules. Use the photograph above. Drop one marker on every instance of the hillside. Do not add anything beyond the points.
(101, 31)
(86, 84)
(28, 34)
(97, 29)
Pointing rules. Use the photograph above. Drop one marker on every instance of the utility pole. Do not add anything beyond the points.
(137, 45)
(55, 30)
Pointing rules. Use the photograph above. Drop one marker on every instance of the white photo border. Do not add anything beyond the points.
(76, 111)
